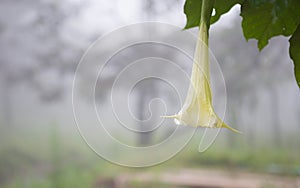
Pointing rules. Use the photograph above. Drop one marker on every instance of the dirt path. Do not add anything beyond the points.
(202, 178)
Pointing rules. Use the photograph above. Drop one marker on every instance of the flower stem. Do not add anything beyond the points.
(206, 11)
(201, 59)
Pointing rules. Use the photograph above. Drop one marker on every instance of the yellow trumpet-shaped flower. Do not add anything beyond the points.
(197, 109)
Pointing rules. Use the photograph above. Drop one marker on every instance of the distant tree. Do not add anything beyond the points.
(243, 62)
(34, 52)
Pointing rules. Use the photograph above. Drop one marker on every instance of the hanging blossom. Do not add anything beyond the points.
(197, 109)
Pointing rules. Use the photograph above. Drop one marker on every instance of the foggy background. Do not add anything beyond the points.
(41, 44)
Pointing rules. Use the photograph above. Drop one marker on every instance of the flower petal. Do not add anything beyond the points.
(197, 109)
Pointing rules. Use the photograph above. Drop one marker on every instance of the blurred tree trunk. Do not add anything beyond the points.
(145, 94)
(276, 119)
(7, 105)
(233, 122)
(297, 114)
(252, 103)
(55, 144)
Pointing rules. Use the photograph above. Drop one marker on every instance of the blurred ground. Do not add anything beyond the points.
(200, 178)
(54, 160)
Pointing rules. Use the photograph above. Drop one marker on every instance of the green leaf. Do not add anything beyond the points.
(295, 53)
(192, 10)
(223, 6)
(264, 19)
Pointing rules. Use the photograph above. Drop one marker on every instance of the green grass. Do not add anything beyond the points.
(267, 158)
(48, 158)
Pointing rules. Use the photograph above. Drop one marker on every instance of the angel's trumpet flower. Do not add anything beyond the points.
(197, 109)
